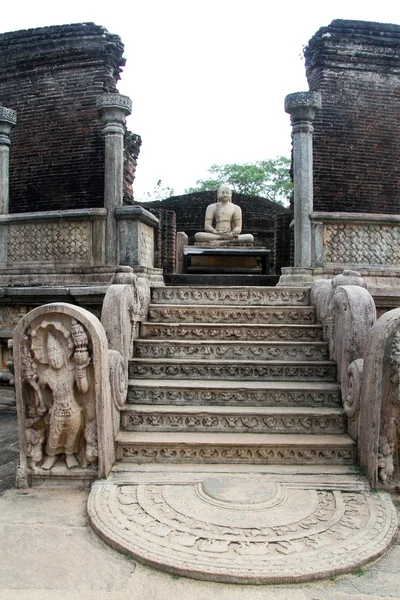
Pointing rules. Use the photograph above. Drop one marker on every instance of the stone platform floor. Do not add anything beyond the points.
(47, 550)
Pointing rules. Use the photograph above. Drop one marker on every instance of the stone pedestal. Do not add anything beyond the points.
(136, 242)
(297, 277)
(212, 258)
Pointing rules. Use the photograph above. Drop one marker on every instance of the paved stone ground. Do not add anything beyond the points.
(47, 550)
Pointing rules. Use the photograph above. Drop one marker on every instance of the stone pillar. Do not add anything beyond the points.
(113, 109)
(302, 107)
(8, 118)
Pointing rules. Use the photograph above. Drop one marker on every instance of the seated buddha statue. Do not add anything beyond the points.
(227, 218)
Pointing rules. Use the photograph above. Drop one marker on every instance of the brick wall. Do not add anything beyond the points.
(356, 67)
(51, 76)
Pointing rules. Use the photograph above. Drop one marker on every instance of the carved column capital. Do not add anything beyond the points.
(114, 108)
(302, 107)
(8, 119)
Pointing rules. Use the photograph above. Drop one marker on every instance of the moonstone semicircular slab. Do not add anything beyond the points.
(244, 529)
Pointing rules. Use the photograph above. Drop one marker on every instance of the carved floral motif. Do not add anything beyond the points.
(240, 296)
(301, 351)
(232, 332)
(210, 422)
(234, 397)
(224, 370)
(219, 314)
(245, 454)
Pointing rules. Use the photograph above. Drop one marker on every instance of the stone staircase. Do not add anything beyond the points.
(233, 459)
(233, 375)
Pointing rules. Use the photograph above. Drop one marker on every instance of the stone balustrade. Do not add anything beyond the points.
(356, 240)
(69, 237)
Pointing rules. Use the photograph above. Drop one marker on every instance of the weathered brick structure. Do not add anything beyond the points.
(52, 76)
(356, 67)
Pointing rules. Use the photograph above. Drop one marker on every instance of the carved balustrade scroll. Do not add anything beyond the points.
(125, 306)
(368, 359)
(347, 312)
(63, 394)
(380, 403)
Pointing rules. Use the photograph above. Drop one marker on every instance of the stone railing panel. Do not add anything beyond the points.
(56, 237)
(356, 240)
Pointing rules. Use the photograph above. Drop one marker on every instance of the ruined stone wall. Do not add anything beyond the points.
(51, 76)
(356, 67)
(165, 240)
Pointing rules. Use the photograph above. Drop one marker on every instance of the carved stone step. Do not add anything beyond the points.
(231, 314)
(244, 448)
(236, 419)
(228, 350)
(232, 370)
(244, 296)
(218, 331)
(243, 393)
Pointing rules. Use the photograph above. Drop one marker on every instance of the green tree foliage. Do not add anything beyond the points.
(159, 192)
(266, 178)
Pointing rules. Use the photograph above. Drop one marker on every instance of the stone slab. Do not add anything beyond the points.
(46, 545)
(244, 528)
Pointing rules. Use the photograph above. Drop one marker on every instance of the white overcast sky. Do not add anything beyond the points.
(207, 77)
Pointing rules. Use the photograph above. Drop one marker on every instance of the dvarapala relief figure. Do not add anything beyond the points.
(61, 415)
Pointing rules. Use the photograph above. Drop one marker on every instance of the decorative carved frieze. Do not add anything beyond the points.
(239, 296)
(231, 332)
(176, 421)
(234, 397)
(230, 371)
(221, 351)
(205, 314)
(238, 454)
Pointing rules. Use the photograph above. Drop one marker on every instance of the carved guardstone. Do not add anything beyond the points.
(63, 396)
